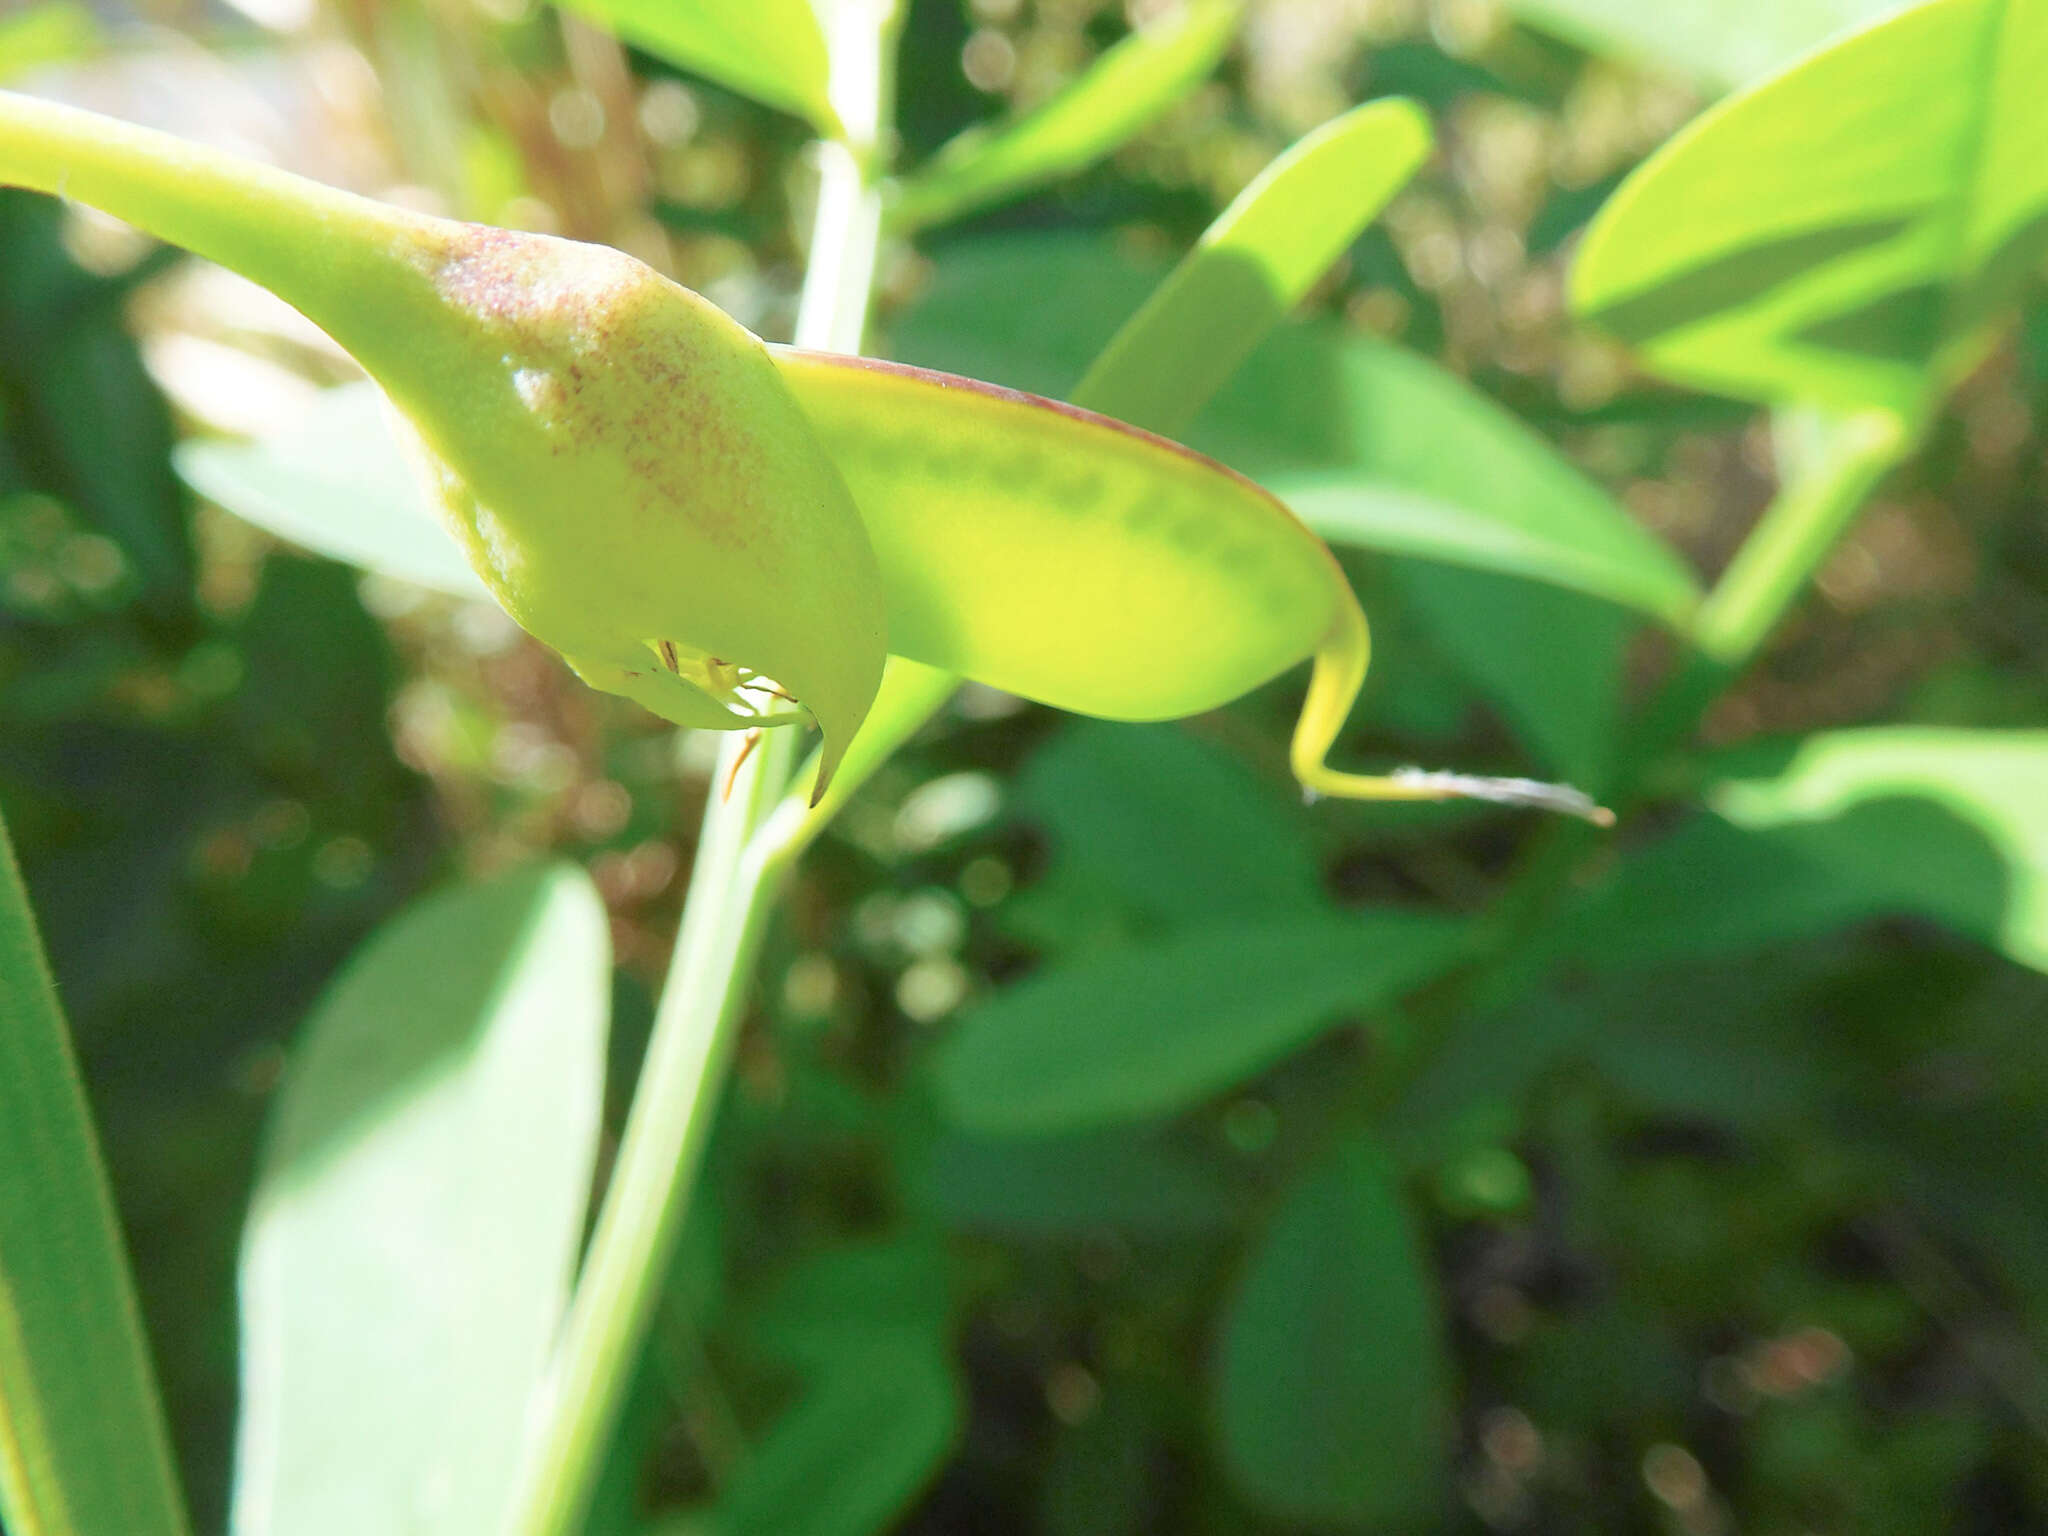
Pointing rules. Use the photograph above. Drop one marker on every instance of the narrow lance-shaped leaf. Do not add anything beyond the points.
(867, 1326)
(771, 50)
(1180, 830)
(1380, 449)
(1275, 240)
(82, 1445)
(1128, 86)
(1865, 270)
(418, 1213)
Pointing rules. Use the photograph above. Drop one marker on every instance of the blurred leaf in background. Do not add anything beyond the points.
(418, 1213)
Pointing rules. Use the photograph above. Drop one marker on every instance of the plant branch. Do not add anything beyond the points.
(725, 915)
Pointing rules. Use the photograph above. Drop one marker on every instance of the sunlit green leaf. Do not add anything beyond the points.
(1944, 824)
(1332, 1389)
(1376, 447)
(1128, 86)
(1273, 243)
(82, 1444)
(336, 484)
(770, 50)
(1716, 43)
(1162, 1027)
(418, 1214)
(1846, 234)
(51, 33)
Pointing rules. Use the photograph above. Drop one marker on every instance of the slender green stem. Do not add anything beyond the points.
(1797, 532)
(1803, 523)
(372, 281)
(725, 915)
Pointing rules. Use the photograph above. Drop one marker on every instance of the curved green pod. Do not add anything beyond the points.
(712, 527)
(1086, 563)
(620, 461)
(1062, 555)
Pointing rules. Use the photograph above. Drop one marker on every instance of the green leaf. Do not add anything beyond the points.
(1377, 448)
(848, 1459)
(1950, 825)
(1127, 88)
(1561, 694)
(1174, 826)
(338, 485)
(53, 33)
(1470, 1091)
(1028, 311)
(1140, 1184)
(1847, 234)
(418, 1213)
(1162, 1027)
(770, 50)
(1333, 1390)
(1271, 245)
(869, 1325)
(1720, 45)
(82, 1445)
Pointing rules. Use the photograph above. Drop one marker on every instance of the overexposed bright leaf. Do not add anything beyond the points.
(338, 485)
(54, 32)
(771, 50)
(418, 1213)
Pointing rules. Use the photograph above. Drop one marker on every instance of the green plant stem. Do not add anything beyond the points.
(1798, 530)
(1812, 510)
(733, 882)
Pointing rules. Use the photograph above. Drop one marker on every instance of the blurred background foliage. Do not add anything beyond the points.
(1743, 1225)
